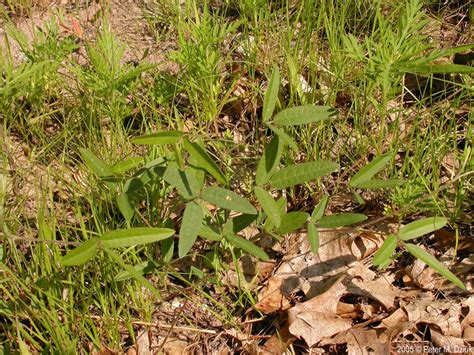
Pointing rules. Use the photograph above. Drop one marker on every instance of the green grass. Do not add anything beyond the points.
(357, 56)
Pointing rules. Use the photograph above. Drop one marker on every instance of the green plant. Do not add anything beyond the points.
(186, 173)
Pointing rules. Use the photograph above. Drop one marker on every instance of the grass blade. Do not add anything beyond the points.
(121, 238)
(159, 138)
(81, 254)
(427, 69)
(269, 161)
(382, 256)
(227, 199)
(269, 205)
(204, 161)
(368, 171)
(431, 261)
(301, 173)
(134, 273)
(190, 227)
(97, 166)
(299, 115)
(421, 227)
(247, 246)
(379, 184)
(313, 237)
(271, 96)
(341, 220)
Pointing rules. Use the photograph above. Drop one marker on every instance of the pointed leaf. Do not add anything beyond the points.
(236, 224)
(341, 220)
(125, 205)
(284, 137)
(211, 233)
(368, 171)
(135, 274)
(185, 181)
(121, 238)
(269, 161)
(313, 237)
(301, 173)
(97, 166)
(142, 268)
(379, 184)
(431, 261)
(167, 137)
(247, 246)
(127, 164)
(190, 227)
(303, 114)
(386, 251)
(271, 96)
(227, 199)
(204, 160)
(81, 254)
(318, 211)
(269, 205)
(421, 227)
(292, 221)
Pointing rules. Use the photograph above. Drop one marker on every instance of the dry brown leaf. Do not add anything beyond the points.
(316, 319)
(279, 342)
(397, 317)
(442, 313)
(360, 341)
(273, 297)
(449, 344)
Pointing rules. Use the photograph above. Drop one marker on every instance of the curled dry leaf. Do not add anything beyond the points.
(316, 319)
(450, 344)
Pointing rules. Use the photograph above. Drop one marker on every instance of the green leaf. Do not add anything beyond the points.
(318, 211)
(301, 173)
(313, 237)
(382, 256)
(341, 220)
(142, 268)
(96, 165)
(121, 238)
(292, 221)
(185, 181)
(284, 137)
(211, 233)
(125, 205)
(236, 224)
(271, 96)
(247, 246)
(368, 171)
(135, 274)
(127, 164)
(303, 114)
(421, 227)
(204, 161)
(190, 227)
(379, 184)
(227, 199)
(168, 137)
(269, 161)
(269, 205)
(431, 261)
(427, 69)
(81, 254)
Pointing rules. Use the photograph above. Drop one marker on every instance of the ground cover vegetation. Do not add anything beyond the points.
(235, 176)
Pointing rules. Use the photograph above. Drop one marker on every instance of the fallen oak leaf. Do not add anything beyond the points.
(316, 319)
